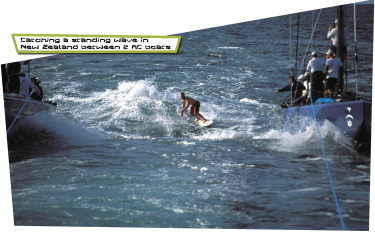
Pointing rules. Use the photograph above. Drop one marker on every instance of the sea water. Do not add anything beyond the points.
(117, 153)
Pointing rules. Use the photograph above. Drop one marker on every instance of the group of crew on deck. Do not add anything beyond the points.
(15, 81)
(312, 80)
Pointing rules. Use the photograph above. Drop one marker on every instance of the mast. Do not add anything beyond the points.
(339, 50)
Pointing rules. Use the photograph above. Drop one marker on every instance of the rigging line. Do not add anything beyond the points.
(312, 28)
(311, 38)
(295, 65)
(290, 44)
(20, 111)
(355, 55)
(290, 54)
(28, 69)
(295, 68)
(329, 173)
(346, 54)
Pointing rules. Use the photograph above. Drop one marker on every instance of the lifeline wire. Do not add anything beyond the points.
(329, 173)
(20, 111)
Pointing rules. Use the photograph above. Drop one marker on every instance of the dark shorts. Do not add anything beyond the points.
(195, 108)
(334, 48)
(331, 83)
(317, 77)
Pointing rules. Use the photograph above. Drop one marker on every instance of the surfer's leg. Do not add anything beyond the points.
(197, 117)
(201, 116)
(193, 112)
(196, 111)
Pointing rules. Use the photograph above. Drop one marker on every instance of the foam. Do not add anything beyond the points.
(252, 101)
(139, 110)
(234, 48)
(141, 104)
(223, 134)
(306, 138)
(313, 189)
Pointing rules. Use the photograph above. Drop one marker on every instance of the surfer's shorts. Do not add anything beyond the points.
(195, 108)
(331, 82)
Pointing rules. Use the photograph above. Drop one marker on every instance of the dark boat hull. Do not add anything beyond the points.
(13, 103)
(353, 118)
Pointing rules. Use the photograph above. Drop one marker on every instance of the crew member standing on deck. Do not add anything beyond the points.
(333, 35)
(315, 67)
(194, 110)
(333, 66)
(25, 84)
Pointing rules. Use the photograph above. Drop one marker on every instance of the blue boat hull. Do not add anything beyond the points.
(353, 118)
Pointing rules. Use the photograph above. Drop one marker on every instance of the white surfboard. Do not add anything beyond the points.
(201, 123)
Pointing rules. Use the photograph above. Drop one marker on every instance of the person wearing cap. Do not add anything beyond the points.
(305, 79)
(333, 66)
(25, 84)
(297, 88)
(315, 67)
(332, 35)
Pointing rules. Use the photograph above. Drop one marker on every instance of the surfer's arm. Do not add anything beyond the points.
(183, 108)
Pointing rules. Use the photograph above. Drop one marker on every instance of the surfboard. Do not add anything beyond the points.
(201, 123)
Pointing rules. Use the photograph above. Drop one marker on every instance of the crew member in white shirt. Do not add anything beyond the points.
(305, 79)
(25, 84)
(333, 66)
(332, 35)
(315, 67)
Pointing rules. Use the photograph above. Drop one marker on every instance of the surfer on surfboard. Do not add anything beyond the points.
(194, 110)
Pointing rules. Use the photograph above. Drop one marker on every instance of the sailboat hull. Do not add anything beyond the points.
(13, 103)
(352, 118)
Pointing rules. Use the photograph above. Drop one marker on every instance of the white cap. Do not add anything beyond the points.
(314, 54)
(330, 52)
(307, 74)
(337, 21)
(302, 77)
